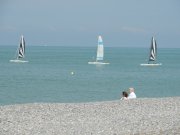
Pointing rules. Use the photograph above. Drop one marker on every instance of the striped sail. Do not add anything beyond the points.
(21, 49)
(20, 53)
(153, 50)
(100, 49)
(152, 55)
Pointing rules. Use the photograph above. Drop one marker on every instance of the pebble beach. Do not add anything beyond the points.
(143, 116)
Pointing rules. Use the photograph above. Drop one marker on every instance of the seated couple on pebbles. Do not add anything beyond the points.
(131, 95)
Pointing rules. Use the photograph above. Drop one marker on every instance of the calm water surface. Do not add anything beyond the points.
(47, 77)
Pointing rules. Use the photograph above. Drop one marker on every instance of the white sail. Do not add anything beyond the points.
(100, 53)
(100, 49)
(153, 54)
(20, 52)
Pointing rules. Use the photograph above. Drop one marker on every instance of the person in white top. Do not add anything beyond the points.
(132, 95)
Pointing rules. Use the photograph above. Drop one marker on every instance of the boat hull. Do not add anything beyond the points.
(98, 63)
(18, 61)
(157, 64)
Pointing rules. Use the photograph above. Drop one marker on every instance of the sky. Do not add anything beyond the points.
(121, 23)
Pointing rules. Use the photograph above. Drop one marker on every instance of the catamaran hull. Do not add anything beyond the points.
(157, 64)
(19, 61)
(98, 63)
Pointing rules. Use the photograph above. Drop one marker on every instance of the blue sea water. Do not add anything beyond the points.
(47, 77)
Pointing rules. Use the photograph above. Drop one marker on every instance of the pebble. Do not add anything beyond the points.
(137, 116)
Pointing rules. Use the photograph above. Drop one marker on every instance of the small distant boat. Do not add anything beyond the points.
(100, 53)
(153, 55)
(20, 53)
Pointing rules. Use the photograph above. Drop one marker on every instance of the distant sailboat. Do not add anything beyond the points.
(100, 53)
(20, 54)
(153, 54)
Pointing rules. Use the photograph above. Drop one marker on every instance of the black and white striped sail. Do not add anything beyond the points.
(100, 52)
(153, 51)
(153, 54)
(20, 51)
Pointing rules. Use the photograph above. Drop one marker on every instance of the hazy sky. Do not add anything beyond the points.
(123, 23)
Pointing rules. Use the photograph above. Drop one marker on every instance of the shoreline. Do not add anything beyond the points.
(135, 116)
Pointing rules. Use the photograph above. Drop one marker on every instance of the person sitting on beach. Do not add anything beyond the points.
(131, 93)
(124, 95)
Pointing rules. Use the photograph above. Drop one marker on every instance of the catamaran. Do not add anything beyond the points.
(100, 53)
(153, 54)
(20, 53)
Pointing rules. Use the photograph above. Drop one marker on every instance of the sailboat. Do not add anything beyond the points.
(153, 54)
(20, 53)
(100, 53)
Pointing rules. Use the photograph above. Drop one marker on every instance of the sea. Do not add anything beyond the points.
(57, 74)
